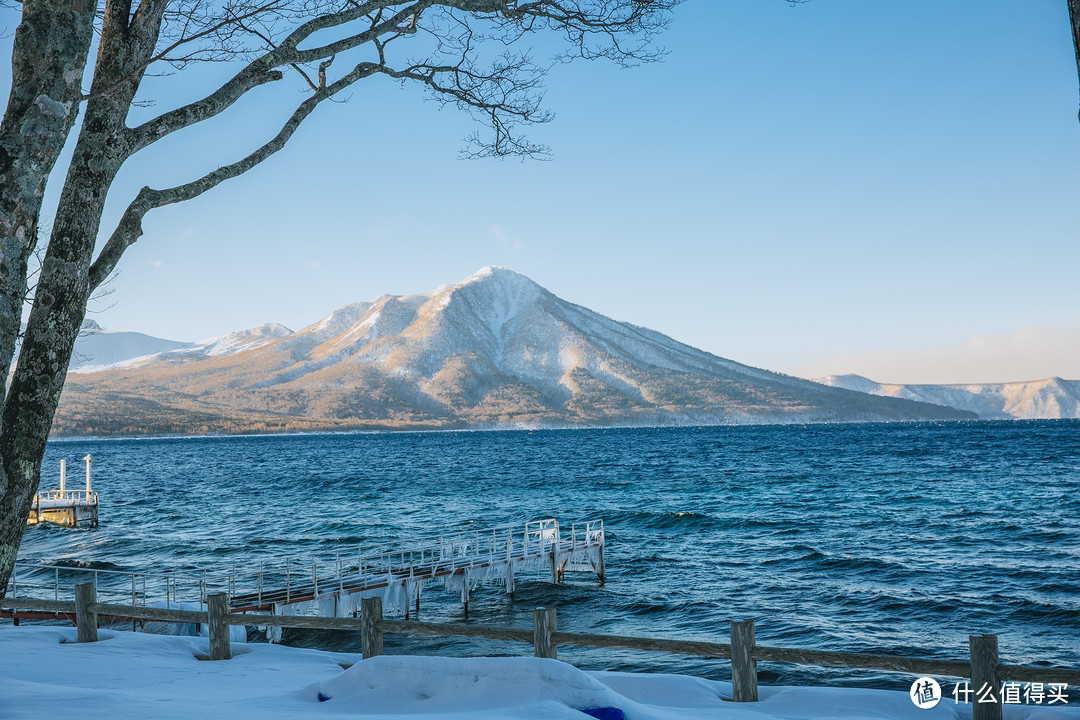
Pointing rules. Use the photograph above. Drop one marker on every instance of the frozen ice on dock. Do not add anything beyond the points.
(62, 506)
(398, 573)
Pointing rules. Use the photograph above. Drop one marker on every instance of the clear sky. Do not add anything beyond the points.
(887, 188)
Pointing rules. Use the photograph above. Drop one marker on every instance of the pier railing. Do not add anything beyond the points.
(84, 496)
(65, 506)
(537, 545)
(398, 571)
(983, 668)
(167, 590)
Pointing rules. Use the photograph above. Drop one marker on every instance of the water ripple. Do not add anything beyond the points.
(879, 538)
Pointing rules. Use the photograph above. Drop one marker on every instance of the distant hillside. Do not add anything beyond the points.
(496, 350)
(1052, 398)
(97, 349)
(102, 348)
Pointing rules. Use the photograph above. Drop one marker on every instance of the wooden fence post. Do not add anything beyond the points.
(217, 606)
(984, 678)
(85, 618)
(743, 665)
(543, 627)
(370, 633)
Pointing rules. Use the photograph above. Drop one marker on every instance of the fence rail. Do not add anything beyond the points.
(141, 588)
(983, 667)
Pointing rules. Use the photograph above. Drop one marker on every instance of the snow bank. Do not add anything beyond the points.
(44, 672)
(465, 687)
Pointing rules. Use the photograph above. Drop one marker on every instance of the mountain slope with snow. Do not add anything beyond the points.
(1052, 398)
(100, 349)
(97, 350)
(496, 350)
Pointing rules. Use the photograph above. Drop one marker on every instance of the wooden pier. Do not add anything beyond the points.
(70, 508)
(334, 586)
(398, 573)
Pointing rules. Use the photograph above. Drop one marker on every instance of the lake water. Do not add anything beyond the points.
(900, 538)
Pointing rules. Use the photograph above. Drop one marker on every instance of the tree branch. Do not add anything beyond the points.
(506, 94)
(217, 102)
(230, 20)
(582, 20)
(396, 24)
(129, 229)
(263, 69)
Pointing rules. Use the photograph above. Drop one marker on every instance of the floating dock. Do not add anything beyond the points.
(70, 508)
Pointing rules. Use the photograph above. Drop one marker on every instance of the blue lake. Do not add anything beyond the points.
(900, 537)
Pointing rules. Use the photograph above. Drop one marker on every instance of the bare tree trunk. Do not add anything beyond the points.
(1074, 19)
(63, 285)
(48, 61)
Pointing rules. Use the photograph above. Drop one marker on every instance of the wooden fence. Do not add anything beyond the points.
(983, 667)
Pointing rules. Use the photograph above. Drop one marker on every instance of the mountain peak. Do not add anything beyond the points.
(244, 339)
(492, 295)
(850, 381)
(501, 275)
(488, 271)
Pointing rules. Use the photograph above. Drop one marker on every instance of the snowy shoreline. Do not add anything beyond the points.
(44, 672)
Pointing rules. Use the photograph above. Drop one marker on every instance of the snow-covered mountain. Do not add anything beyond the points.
(97, 349)
(103, 348)
(1052, 398)
(494, 350)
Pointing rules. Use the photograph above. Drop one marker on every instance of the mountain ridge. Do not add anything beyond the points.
(495, 350)
(1051, 398)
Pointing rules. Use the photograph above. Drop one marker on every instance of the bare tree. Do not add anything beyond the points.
(467, 53)
(1074, 20)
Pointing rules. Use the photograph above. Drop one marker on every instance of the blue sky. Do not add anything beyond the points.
(841, 186)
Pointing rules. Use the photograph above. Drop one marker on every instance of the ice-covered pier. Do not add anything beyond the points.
(333, 586)
(398, 573)
(64, 506)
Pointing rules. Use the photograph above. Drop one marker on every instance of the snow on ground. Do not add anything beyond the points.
(125, 675)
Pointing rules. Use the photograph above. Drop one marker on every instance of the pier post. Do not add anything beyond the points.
(63, 477)
(743, 665)
(554, 564)
(85, 618)
(87, 459)
(985, 685)
(370, 634)
(543, 627)
(217, 606)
